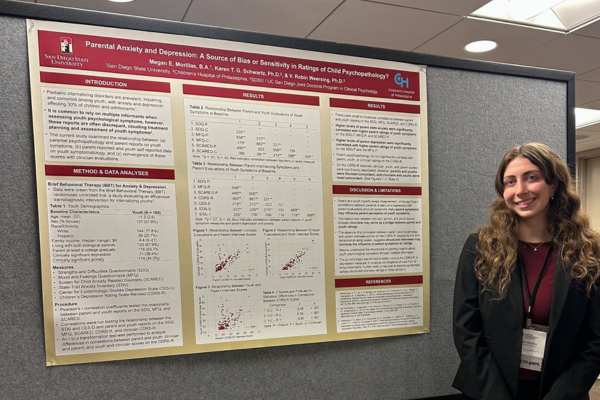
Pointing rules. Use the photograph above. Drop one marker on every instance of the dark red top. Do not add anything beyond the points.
(533, 262)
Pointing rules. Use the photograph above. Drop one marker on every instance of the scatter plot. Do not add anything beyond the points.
(216, 257)
(296, 261)
(226, 260)
(229, 319)
(232, 314)
(293, 254)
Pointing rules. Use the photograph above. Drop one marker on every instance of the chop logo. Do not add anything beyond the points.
(400, 80)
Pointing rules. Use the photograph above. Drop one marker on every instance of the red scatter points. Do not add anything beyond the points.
(228, 319)
(230, 259)
(290, 264)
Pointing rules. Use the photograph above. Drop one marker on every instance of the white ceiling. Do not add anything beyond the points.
(427, 26)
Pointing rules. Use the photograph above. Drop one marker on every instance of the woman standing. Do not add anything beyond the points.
(526, 308)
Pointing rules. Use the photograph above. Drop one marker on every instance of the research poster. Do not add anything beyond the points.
(202, 195)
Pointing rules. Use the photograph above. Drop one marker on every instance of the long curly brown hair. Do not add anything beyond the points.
(576, 242)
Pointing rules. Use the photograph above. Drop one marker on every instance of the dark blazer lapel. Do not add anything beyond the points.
(560, 290)
(515, 293)
(560, 293)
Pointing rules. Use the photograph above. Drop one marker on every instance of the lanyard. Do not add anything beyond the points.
(531, 296)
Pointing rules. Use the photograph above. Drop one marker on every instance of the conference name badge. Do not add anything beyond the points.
(532, 349)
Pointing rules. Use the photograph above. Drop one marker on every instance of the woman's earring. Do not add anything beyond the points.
(551, 199)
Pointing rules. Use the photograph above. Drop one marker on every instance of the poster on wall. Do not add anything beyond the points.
(201, 195)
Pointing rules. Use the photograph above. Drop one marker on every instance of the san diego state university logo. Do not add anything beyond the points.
(66, 45)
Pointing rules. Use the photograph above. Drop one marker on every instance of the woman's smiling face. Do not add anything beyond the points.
(526, 192)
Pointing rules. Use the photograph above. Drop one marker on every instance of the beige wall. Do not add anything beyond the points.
(592, 190)
(588, 183)
(588, 186)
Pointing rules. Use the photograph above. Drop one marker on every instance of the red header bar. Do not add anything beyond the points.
(384, 281)
(378, 190)
(109, 172)
(137, 57)
(375, 106)
(97, 81)
(250, 95)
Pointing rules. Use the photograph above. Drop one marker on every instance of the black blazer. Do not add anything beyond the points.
(487, 335)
